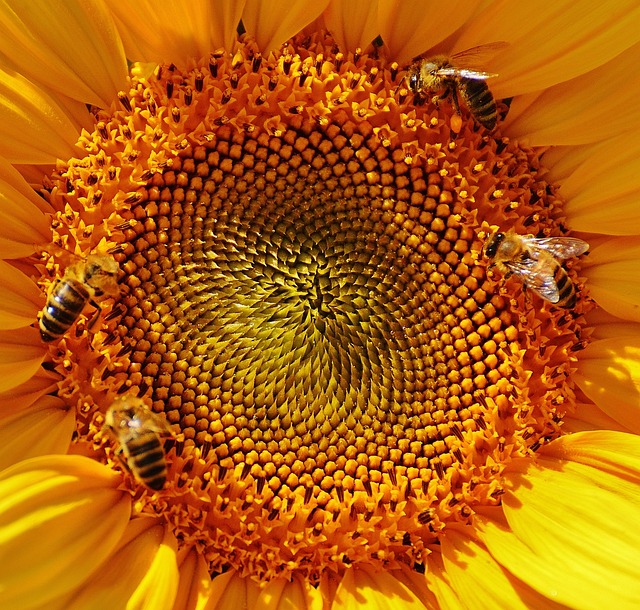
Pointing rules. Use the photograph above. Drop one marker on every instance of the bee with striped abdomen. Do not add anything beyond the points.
(69, 295)
(446, 75)
(535, 260)
(139, 433)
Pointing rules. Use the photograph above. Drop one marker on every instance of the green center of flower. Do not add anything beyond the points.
(306, 301)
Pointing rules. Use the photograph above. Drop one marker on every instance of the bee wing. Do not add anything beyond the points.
(560, 248)
(479, 55)
(540, 278)
(156, 422)
(465, 73)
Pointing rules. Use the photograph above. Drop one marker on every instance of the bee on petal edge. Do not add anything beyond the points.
(536, 262)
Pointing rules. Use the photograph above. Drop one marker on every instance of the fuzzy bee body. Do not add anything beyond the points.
(536, 261)
(69, 295)
(442, 74)
(139, 432)
(479, 101)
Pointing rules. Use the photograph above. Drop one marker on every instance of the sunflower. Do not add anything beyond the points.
(341, 401)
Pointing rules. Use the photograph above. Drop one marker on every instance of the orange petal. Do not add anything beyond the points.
(352, 23)
(33, 127)
(274, 22)
(21, 301)
(141, 573)
(22, 221)
(193, 587)
(377, 590)
(409, 28)
(178, 31)
(44, 428)
(606, 326)
(72, 47)
(552, 42)
(569, 514)
(611, 272)
(603, 186)
(609, 375)
(283, 594)
(230, 592)
(23, 396)
(582, 110)
(60, 517)
(21, 353)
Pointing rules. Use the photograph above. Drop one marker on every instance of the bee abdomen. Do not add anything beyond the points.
(146, 460)
(63, 307)
(566, 289)
(480, 102)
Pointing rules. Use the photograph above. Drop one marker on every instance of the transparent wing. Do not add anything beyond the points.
(159, 424)
(560, 248)
(537, 276)
(465, 73)
(477, 56)
(147, 419)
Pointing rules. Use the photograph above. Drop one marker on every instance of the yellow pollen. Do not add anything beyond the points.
(306, 301)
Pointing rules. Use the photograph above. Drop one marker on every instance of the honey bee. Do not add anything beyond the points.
(536, 262)
(440, 73)
(138, 431)
(69, 295)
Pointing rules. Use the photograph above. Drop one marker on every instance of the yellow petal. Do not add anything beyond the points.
(22, 221)
(176, 31)
(141, 574)
(70, 46)
(587, 417)
(411, 28)
(439, 583)
(417, 583)
(282, 594)
(230, 592)
(44, 428)
(609, 375)
(375, 590)
(608, 451)
(193, 588)
(352, 23)
(480, 582)
(569, 516)
(611, 270)
(603, 189)
(552, 42)
(21, 353)
(60, 516)
(21, 298)
(274, 22)
(581, 110)
(33, 127)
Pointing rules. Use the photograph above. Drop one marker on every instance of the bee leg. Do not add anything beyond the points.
(96, 316)
(455, 101)
(119, 455)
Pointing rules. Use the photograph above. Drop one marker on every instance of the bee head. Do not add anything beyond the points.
(414, 81)
(493, 244)
(101, 274)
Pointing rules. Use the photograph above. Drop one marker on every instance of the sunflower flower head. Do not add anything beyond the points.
(305, 299)
(340, 389)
